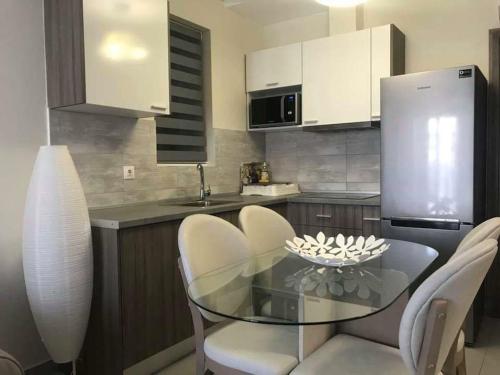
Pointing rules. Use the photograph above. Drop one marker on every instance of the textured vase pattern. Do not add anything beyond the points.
(57, 253)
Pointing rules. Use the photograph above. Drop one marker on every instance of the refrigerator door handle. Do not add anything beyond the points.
(423, 222)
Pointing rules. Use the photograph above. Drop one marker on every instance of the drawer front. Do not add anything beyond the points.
(297, 213)
(337, 216)
(316, 216)
(313, 230)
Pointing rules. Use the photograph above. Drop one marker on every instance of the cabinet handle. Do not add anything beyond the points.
(311, 122)
(324, 216)
(371, 219)
(158, 108)
(310, 299)
(272, 84)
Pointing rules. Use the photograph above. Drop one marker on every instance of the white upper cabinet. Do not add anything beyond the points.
(336, 85)
(108, 57)
(274, 67)
(126, 54)
(388, 59)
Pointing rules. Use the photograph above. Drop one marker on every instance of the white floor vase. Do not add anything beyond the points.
(57, 253)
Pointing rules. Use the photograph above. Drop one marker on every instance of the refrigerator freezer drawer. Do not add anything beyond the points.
(444, 240)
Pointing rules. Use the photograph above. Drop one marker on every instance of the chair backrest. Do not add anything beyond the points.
(207, 243)
(265, 229)
(9, 365)
(457, 282)
(489, 229)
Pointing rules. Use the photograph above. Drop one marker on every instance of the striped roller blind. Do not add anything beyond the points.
(181, 136)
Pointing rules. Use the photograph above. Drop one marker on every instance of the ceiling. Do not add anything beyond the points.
(267, 12)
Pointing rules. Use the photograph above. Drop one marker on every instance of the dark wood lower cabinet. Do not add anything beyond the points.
(154, 306)
(311, 218)
(313, 230)
(139, 306)
(371, 221)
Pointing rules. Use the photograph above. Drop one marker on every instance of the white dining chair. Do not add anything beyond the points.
(265, 229)
(428, 329)
(488, 229)
(9, 365)
(208, 243)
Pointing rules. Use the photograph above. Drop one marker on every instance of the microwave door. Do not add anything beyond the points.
(266, 111)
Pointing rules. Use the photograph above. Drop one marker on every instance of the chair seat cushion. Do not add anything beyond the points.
(254, 348)
(344, 354)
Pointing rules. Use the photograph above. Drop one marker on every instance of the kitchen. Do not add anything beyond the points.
(116, 156)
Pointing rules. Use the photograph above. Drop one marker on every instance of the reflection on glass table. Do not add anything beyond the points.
(281, 288)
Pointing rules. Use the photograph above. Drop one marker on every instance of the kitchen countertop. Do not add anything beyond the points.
(357, 199)
(127, 216)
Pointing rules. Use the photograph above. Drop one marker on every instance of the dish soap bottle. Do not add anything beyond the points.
(265, 177)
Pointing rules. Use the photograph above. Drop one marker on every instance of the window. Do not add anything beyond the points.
(181, 136)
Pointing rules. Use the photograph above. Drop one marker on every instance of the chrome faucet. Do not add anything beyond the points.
(204, 194)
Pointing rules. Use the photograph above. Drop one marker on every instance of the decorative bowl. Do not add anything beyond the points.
(337, 251)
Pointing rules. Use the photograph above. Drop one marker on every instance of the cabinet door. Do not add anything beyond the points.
(155, 310)
(371, 221)
(336, 79)
(274, 67)
(127, 54)
(231, 216)
(381, 63)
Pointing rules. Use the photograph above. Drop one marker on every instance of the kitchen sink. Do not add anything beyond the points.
(200, 203)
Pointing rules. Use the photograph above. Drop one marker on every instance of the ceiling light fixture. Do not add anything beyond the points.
(341, 3)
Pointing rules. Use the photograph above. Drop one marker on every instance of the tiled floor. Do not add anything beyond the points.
(483, 359)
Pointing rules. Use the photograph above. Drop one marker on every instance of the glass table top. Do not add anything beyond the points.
(279, 287)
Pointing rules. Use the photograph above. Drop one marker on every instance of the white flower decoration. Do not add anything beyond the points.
(337, 251)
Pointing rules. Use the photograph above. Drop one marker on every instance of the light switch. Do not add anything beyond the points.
(128, 172)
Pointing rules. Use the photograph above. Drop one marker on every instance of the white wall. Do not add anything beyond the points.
(22, 130)
(296, 30)
(232, 36)
(439, 33)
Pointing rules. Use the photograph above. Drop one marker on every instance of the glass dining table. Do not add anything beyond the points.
(279, 287)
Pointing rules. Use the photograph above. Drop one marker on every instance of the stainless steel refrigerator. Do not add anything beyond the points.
(433, 160)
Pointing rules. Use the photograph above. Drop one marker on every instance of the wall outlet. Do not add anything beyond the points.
(128, 172)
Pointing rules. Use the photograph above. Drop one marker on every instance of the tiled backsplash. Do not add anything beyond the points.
(102, 145)
(326, 161)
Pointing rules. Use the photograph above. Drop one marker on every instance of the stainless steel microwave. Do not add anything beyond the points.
(275, 111)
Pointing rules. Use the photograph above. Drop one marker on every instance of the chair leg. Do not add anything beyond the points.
(461, 367)
(200, 363)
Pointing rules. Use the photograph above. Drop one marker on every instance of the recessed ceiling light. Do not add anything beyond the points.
(341, 3)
